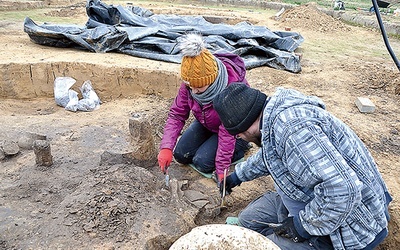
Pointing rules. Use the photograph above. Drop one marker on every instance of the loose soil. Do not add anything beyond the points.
(86, 201)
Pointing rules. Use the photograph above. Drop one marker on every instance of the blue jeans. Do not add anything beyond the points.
(269, 208)
(198, 145)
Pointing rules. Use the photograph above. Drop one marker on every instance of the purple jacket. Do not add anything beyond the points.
(206, 115)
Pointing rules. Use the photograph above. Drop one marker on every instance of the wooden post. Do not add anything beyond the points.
(142, 140)
(42, 150)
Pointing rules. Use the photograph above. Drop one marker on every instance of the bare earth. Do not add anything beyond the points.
(80, 202)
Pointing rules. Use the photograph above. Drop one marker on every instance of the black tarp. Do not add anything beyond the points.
(138, 32)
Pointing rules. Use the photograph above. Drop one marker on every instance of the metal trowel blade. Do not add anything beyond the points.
(166, 178)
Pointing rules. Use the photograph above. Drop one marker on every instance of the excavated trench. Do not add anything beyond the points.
(114, 76)
(110, 81)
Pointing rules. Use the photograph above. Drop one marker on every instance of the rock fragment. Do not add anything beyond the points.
(2, 155)
(365, 105)
(113, 158)
(9, 148)
(27, 139)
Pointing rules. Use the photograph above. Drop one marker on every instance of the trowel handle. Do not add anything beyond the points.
(224, 184)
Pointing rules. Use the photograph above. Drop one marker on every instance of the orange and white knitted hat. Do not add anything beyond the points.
(199, 67)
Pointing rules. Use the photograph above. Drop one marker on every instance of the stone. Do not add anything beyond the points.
(9, 148)
(113, 158)
(365, 105)
(27, 139)
(221, 237)
(194, 195)
(196, 198)
(2, 155)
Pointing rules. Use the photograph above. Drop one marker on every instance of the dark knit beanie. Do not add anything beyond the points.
(238, 107)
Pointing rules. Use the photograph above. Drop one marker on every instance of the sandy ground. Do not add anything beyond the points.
(83, 202)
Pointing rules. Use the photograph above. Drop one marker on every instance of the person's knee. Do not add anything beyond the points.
(285, 243)
(203, 164)
(245, 218)
(181, 157)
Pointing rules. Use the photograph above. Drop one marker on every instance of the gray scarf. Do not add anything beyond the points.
(215, 88)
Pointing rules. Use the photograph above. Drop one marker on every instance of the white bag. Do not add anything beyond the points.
(73, 101)
(61, 87)
(90, 99)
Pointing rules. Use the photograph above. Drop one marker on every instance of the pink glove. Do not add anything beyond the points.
(164, 158)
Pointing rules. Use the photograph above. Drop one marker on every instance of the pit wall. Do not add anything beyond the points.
(35, 80)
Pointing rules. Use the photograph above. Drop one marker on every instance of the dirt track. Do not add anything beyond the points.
(80, 201)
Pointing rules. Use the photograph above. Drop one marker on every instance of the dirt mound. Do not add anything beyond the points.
(378, 77)
(69, 11)
(308, 16)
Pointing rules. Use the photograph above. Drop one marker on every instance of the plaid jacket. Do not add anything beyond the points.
(315, 158)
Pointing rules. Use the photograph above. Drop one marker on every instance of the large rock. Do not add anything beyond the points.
(221, 236)
(9, 148)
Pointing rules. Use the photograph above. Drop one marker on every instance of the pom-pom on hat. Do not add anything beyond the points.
(199, 67)
(238, 107)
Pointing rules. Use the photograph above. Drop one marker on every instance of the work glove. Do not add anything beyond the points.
(232, 181)
(164, 159)
(288, 230)
(220, 179)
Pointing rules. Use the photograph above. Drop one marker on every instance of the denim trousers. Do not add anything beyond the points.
(198, 145)
(269, 208)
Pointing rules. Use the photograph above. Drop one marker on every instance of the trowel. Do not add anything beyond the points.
(166, 177)
(223, 205)
(273, 225)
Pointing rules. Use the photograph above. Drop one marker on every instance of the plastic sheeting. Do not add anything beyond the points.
(138, 32)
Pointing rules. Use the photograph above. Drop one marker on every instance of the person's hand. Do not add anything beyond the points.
(288, 230)
(164, 159)
(232, 181)
(220, 178)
